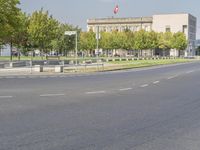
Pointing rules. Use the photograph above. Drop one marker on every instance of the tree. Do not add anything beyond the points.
(42, 30)
(63, 43)
(9, 21)
(20, 36)
(105, 41)
(129, 40)
(152, 41)
(140, 41)
(117, 40)
(87, 40)
(179, 41)
(165, 41)
(9, 18)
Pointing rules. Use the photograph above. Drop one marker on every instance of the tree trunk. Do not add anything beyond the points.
(18, 53)
(42, 53)
(107, 52)
(152, 53)
(11, 48)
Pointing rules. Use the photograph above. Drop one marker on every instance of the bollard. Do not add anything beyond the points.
(38, 68)
(59, 69)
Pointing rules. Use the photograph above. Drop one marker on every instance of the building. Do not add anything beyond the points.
(5, 50)
(120, 24)
(182, 22)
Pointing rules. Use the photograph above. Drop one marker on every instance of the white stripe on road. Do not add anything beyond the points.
(189, 71)
(43, 76)
(96, 92)
(10, 77)
(172, 77)
(125, 89)
(48, 95)
(155, 82)
(6, 96)
(21, 77)
(144, 85)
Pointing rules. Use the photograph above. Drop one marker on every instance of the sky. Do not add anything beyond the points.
(76, 12)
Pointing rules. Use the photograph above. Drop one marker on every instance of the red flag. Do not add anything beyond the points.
(116, 9)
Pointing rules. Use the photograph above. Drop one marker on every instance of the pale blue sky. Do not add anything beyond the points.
(77, 12)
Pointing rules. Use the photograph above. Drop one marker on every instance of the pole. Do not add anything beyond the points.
(76, 50)
(97, 37)
(31, 62)
(11, 49)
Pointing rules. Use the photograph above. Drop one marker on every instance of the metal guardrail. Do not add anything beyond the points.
(71, 63)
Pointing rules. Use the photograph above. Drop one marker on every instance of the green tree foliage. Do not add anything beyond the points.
(152, 41)
(87, 40)
(129, 40)
(63, 43)
(9, 19)
(42, 29)
(165, 40)
(179, 41)
(20, 37)
(141, 41)
(105, 41)
(117, 40)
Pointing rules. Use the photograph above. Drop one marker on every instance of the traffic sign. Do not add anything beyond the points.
(70, 32)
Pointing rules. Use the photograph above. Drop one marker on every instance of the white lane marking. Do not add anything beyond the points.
(43, 76)
(96, 92)
(52, 76)
(6, 96)
(22, 77)
(189, 71)
(33, 77)
(125, 89)
(155, 82)
(144, 85)
(49, 95)
(10, 77)
(62, 76)
(172, 77)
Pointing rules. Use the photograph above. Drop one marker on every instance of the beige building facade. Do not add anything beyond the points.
(120, 24)
(182, 22)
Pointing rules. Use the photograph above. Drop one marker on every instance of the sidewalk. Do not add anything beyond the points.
(50, 70)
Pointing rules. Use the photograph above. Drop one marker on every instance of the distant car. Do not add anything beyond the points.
(15, 53)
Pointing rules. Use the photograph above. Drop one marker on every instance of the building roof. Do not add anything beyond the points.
(119, 20)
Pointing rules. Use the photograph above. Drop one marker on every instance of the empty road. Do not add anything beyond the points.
(154, 108)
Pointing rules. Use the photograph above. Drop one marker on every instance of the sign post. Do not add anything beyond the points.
(97, 38)
(76, 48)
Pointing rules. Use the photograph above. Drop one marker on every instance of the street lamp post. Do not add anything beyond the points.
(97, 38)
(76, 47)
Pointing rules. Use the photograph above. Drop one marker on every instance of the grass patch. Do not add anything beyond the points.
(143, 63)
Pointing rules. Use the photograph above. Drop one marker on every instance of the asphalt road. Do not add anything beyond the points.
(144, 109)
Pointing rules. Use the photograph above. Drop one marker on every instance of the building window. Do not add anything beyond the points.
(167, 29)
(184, 28)
(146, 28)
(91, 29)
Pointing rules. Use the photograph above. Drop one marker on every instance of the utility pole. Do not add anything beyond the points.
(97, 38)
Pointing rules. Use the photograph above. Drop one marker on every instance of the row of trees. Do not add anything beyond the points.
(41, 31)
(36, 31)
(140, 40)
